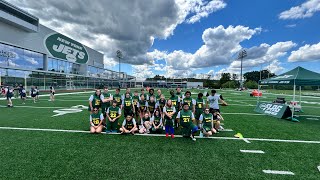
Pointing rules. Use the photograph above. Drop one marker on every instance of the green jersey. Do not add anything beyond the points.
(95, 118)
(179, 94)
(162, 103)
(157, 120)
(186, 118)
(113, 112)
(96, 102)
(189, 101)
(127, 102)
(142, 105)
(106, 104)
(199, 103)
(151, 106)
(158, 97)
(207, 120)
(117, 97)
(175, 102)
(145, 119)
(135, 100)
(129, 124)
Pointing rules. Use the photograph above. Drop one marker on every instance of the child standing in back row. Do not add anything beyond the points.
(168, 113)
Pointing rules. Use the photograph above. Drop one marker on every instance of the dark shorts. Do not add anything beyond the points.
(23, 95)
(214, 110)
(52, 93)
(33, 95)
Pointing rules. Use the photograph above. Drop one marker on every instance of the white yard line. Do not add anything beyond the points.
(162, 135)
(313, 119)
(278, 172)
(37, 107)
(318, 168)
(226, 130)
(246, 140)
(252, 151)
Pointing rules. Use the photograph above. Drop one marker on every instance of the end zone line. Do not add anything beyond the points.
(278, 172)
(162, 135)
(252, 151)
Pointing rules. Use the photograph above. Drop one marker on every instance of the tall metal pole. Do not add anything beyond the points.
(241, 55)
(119, 55)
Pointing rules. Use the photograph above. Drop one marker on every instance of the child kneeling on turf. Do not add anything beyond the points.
(146, 124)
(216, 120)
(96, 119)
(156, 121)
(206, 123)
(129, 125)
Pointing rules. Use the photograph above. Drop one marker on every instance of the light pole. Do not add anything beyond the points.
(242, 54)
(119, 55)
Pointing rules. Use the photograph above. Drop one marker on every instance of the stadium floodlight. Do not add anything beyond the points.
(242, 54)
(119, 55)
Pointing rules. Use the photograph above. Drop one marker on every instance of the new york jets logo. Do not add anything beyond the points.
(262, 106)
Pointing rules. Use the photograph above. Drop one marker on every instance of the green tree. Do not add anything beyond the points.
(251, 84)
(225, 77)
(255, 75)
(229, 84)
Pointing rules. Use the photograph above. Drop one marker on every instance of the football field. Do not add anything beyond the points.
(51, 140)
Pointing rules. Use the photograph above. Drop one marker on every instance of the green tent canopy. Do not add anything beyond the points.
(298, 76)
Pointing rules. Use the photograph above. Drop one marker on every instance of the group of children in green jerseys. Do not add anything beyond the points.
(152, 113)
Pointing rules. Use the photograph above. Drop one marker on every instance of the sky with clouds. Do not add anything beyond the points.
(190, 38)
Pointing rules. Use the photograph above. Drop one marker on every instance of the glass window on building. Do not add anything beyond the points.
(20, 58)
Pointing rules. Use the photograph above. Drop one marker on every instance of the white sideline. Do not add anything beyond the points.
(252, 151)
(278, 172)
(162, 135)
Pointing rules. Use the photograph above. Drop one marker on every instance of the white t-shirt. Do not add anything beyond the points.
(214, 101)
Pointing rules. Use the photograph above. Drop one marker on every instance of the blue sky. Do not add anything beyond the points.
(253, 14)
(190, 38)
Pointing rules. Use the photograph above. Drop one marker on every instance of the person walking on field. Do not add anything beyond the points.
(52, 92)
(213, 101)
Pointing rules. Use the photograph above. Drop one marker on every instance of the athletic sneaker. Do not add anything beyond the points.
(167, 135)
(221, 128)
(172, 136)
(193, 138)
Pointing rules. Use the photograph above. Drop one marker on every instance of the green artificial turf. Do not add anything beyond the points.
(66, 155)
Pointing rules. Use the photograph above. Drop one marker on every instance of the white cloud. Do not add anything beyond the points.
(305, 10)
(306, 53)
(275, 67)
(128, 25)
(200, 9)
(291, 25)
(262, 54)
(219, 45)
(141, 72)
(32, 61)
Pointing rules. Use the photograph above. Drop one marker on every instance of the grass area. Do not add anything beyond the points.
(63, 155)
